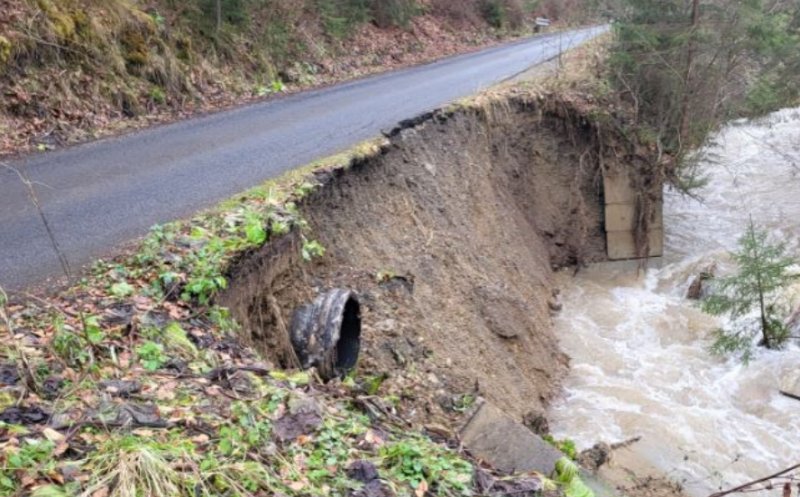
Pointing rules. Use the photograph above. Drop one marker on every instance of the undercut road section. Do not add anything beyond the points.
(102, 194)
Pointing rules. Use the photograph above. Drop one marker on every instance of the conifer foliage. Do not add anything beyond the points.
(753, 297)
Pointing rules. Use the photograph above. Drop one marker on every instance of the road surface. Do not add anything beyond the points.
(100, 195)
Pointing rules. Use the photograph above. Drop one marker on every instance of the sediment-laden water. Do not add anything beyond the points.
(639, 348)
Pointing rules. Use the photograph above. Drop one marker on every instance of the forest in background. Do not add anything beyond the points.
(684, 67)
(71, 70)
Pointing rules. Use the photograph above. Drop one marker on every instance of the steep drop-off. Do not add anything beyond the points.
(450, 234)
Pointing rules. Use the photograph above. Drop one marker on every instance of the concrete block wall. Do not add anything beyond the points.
(620, 220)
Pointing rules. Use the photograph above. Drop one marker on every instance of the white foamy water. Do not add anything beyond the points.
(640, 365)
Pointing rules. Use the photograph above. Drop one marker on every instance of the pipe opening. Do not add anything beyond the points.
(326, 334)
(349, 345)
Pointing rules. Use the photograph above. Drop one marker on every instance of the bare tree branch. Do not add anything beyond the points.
(62, 259)
(746, 486)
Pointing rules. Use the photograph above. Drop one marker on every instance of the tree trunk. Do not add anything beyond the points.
(764, 324)
(683, 132)
(766, 341)
(219, 15)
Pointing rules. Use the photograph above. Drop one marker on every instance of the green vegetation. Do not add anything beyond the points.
(72, 68)
(566, 446)
(685, 66)
(414, 461)
(763, 275)
(567, 476)
(135, 383)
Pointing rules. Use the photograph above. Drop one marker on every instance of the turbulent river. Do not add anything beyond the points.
(640, 361)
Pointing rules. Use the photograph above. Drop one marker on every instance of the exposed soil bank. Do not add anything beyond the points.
(450, 235)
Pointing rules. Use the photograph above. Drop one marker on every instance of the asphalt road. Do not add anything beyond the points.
(102, 194)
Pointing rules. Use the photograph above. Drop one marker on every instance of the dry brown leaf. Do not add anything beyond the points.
(373, 438)
(61, 448)
(166, 391)
(53, 435)
(103, 492)
(422, 489)
(200, 439)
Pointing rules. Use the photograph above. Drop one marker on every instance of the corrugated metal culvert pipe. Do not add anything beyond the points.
(326, 334)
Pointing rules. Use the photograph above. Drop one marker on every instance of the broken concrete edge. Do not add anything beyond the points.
(493, 437)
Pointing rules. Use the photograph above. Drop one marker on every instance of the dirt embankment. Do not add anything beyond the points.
(450, 235)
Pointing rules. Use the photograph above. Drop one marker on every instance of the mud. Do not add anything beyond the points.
(450, 235)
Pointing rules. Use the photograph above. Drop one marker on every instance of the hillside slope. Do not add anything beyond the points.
(71, 70)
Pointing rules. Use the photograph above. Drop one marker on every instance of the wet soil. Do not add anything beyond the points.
(450, 236)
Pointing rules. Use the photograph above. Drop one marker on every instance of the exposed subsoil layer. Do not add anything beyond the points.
(450, 235)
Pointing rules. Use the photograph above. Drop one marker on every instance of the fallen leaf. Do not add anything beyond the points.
(200, 439)
(166, 391)
(53, 435)
(373, 438)
(60, 448)
(103, 492)
(422, 489)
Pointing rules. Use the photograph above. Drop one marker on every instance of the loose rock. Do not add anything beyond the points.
(24, 416)
(121, 388)
(363, 471)
(375, 488)
(537, 423)
(9, 375)
(696, 289)
(303, 418)
(504, 313)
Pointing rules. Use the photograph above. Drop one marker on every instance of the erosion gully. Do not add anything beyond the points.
(639, 348)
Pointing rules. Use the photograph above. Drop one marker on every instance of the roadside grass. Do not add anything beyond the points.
(578, 70)
(134, 382)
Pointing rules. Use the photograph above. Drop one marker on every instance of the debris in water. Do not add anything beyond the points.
(592, 459)
(697, 288)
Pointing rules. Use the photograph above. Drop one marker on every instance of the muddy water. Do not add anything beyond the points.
(640, 365)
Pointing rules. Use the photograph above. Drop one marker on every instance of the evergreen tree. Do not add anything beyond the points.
(688, 65)
(763, 273)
